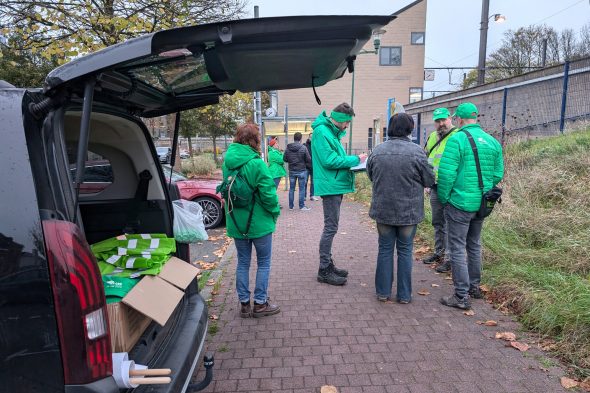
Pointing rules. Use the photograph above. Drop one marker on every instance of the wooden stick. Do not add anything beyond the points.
(149, 381)
(150, 372)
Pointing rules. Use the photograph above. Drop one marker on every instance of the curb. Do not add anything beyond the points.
(217, 273)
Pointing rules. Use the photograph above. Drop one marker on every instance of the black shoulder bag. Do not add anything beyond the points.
(488, 198)
(437, 142)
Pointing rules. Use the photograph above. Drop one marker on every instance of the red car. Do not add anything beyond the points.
(201, 191)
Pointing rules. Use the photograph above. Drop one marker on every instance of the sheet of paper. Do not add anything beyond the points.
(360, 167)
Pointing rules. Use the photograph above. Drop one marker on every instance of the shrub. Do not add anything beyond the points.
(198, 165)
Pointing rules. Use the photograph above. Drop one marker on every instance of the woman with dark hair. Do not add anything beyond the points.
(252, 225)
(399, 171)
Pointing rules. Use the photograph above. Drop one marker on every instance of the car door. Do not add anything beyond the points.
(188, 67)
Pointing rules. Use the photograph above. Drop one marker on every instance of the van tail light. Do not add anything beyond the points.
(80, 304)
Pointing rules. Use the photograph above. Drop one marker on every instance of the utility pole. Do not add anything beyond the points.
(483, 41)
(258, 110)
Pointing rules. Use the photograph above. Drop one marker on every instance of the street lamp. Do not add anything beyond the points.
(376, 44)
(483, 39)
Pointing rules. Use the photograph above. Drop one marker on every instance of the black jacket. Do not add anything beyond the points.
(297, 156)
(308, 145)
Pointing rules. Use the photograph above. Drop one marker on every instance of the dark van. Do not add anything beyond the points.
(54, 335)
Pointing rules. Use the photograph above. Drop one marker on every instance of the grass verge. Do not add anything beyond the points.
(537, 242)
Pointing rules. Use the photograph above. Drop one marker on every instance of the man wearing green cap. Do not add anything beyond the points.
(332, 179)
(459, 190)
(435, 147)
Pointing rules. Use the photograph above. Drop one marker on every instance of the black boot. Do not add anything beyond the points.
(328, 276)
(444, 267)
(338, 272)
(434, 258)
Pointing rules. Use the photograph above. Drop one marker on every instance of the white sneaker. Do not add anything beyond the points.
(305, 208)
(314, 198)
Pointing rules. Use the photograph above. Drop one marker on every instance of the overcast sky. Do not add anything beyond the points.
(452, 26)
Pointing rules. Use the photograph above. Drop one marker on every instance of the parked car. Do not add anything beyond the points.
(164, 154)
(184, 154)
(53, 323)
(201, 191)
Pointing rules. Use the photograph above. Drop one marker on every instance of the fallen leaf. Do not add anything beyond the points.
(568, 383)
(484, 288)
(210, 282)
(213, 317)
(363, 284)
(491, 323)
(328, 389)
(469, 313)
(343, 233)
(585, 384)
(423, 250)
(292, 251)
(214, 293)
(506, 336)
(423, 292)
(448, 278)
(548, 345)
(435, 285)
(520, 346)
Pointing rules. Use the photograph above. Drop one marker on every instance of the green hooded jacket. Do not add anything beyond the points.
(331, 165)
(276, 165)
(458, 182)
(266, 202)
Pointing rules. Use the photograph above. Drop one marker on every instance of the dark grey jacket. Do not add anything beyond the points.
(297, 156)
(399, 171)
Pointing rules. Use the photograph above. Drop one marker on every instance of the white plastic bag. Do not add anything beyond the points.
(188, 222)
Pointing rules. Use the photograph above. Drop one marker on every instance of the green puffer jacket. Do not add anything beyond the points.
(266, 205)
(457, 174)
(331, 165)
(276, 165)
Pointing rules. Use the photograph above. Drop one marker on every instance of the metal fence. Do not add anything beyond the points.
(539, 103)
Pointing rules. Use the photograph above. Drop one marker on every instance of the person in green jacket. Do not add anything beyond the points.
(257, 230)
(435, 146)
(459, 190)
(276, 166)
(332, 179)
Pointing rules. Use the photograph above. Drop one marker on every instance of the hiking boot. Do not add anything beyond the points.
(454, 301)
(328, 276)
(338, 272)
(264, 310)
(475, 293)
(444, 267)
(434, 258)
(245, 310)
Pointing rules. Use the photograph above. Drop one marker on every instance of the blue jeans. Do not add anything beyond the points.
(464, 232)
(310, 182)
(301, 178)
(277, 182)
(263, 247)
(402, 238)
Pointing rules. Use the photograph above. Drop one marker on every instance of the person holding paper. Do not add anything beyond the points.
(399, 171)
(332, 179)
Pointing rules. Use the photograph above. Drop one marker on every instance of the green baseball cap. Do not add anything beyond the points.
(466, 110)
(440, 113)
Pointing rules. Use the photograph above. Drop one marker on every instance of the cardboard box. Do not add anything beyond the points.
(126, 326)
(157, 296)
(153, 298)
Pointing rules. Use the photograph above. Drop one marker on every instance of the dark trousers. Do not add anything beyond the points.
(331, 205)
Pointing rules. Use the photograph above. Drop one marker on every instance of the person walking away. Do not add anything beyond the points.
(459, 191)
(276, 165)
(399, 171)
(312, 197)
(252, 225)
(332, 179)
(435, 147)
(299, 160)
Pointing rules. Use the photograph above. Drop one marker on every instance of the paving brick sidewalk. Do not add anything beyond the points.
(343, 336)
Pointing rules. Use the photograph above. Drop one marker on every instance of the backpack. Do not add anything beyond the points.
(235, 189)
(236, 192)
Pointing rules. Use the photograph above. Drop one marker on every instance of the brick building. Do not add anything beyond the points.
(396, 72)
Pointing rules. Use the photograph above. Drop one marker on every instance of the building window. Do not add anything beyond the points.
(390, 56)
(417, 38)
(415, 94)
